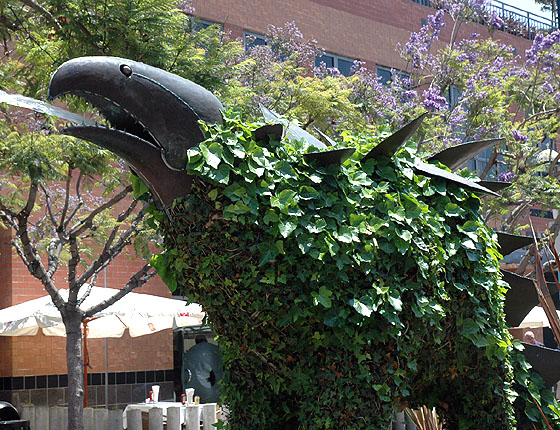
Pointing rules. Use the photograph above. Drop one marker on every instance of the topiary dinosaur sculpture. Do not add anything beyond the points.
(343, 284)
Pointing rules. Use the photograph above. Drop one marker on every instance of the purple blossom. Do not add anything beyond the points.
(187, 7)
(518, 136)
(506, 176)
(433, 101)
(496, 21)
(547, 88)
(420, 42)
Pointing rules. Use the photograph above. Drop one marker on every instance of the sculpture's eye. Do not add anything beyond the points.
(126, 70)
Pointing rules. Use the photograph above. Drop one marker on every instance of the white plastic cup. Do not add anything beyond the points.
(189, 392)
(155, 389)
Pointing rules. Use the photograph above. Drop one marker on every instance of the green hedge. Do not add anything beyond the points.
(342, 293)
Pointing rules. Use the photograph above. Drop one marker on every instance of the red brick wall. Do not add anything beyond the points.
(368, 30)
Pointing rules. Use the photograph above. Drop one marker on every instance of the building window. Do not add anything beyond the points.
(250, 40)
(200, 24)
(343, 64)
(386, 74)
(541, 213)
(452, 95)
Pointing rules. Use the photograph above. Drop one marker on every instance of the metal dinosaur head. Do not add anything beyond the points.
(154, 114)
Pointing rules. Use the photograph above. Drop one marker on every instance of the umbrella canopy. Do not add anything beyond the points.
(141, 314)
(537, 316)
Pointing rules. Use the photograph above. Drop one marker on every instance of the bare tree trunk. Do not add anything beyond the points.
(74, 359)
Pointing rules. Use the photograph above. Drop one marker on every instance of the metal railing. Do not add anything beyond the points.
(517, 21)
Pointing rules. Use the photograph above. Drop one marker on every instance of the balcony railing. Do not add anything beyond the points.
(517, 21)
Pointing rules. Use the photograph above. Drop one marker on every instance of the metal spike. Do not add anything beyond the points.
(292, 130)
(330, 142)
(390, 145)
(266, 132)
(456, 156)
(510, 242)
(545, 361)
(433, 171)
(495, 185)
(325, 158)
(521, 297)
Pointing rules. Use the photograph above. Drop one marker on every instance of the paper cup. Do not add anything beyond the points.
(155, 389)
(189, 392)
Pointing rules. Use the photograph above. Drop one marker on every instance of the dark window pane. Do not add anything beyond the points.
(385, 75)
(254, 41)
(345, 66)
(327, 59)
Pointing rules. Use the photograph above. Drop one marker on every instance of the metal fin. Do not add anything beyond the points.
(266, 132)
(292, 130)
(390, 145)
(521, 297)
(433, 171)
(325, 158)
(456, 156)
(495, 185)
(545, 361)
(146, 159)
(510, 242)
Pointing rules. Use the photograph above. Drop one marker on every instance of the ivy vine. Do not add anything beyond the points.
(341, 293)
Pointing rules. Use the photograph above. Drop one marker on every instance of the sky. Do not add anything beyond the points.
(528, 5)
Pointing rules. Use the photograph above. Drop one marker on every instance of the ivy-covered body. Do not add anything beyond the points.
(340, 293)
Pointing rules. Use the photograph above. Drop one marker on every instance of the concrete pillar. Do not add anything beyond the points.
(209, 416)
(56, 418)
(101, 419)
(41, 418)
(174, 418)
(155, 417)
(28, 413)
(134, 419)
(89, 423)
(399, 423)
(115, 419)
(192, 418)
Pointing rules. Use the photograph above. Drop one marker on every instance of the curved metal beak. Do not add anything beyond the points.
(155, 113)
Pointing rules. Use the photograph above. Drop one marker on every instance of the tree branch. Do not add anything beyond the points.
(489, 165)
(122, 216)
(35, 266)
(87, 222)
(66, 200)
(80, 200)
(139, 279)
(53, 252)
(72, 264)
(31, 199)
(108, 255)
(40, 9)
(49, 206)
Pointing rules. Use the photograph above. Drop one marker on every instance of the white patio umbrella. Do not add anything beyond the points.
(141, 314)
(537, 316)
